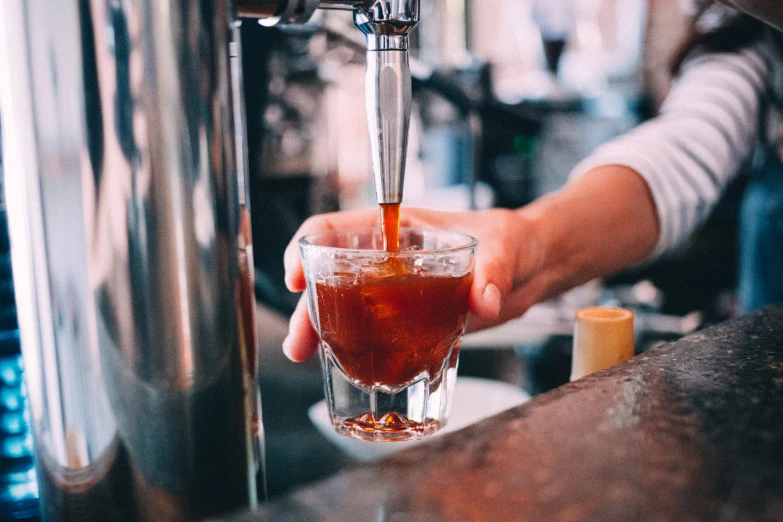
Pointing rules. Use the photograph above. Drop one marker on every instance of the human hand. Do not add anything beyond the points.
(509, 254)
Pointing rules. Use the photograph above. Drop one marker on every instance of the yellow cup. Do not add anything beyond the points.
(603, 337)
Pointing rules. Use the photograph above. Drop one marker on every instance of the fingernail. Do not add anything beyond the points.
(287, 347)
(492, 299)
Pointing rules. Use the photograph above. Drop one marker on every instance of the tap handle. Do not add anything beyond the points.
(388, 116)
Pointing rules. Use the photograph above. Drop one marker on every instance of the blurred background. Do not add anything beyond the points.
(509, 95)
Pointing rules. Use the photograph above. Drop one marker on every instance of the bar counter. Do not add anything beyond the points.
(691, 430)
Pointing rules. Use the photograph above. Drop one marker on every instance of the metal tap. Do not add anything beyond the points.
(387, 24)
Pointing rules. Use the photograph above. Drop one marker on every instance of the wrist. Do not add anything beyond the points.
(597, 225)
(533, 241)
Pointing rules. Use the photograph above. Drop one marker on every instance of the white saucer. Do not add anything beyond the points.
(474, 400)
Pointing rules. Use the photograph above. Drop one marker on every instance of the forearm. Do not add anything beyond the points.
(707, 129)
(595, 226)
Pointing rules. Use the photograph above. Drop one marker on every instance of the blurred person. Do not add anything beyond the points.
(640, 195)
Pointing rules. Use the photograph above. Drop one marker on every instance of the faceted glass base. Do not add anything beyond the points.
(392, 427)
(411, 413)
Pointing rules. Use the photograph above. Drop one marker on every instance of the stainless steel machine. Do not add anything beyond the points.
(127, 201)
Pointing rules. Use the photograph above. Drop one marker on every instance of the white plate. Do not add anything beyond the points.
(474, 400)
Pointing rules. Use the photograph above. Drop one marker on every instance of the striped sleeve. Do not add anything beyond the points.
(706, 130)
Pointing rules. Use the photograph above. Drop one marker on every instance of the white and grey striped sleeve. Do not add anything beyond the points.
(706, 130)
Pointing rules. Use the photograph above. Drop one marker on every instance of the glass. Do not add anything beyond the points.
(390, 326)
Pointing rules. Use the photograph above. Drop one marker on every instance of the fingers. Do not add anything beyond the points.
(492, 281)
(302, 340)
(486, 301)
(508, 258)
(294, 275)
(517, 302)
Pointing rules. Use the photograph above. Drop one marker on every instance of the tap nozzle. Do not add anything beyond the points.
(387, 25)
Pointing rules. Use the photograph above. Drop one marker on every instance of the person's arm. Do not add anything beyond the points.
(596, 225)
(649, 190)
(706, 130)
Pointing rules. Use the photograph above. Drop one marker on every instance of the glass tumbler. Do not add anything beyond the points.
(390, 326)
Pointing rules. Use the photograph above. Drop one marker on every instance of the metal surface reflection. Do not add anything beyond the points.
(135, 291)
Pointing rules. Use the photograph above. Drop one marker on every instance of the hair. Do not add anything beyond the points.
(732, 33)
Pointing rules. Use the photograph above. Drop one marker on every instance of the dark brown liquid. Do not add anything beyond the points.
(390, 424)
(390, 226)
(389, 328)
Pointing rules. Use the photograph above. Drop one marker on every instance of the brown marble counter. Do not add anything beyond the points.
(692, 430)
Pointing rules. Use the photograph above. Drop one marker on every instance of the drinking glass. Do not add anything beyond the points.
(390, 326)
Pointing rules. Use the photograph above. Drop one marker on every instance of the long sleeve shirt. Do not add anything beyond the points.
(719, 109)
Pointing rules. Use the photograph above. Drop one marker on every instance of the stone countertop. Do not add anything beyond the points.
(692, 430)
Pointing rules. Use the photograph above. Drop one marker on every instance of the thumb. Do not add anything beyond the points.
(491, 282)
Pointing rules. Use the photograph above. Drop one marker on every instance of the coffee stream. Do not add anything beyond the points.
(390, 226)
